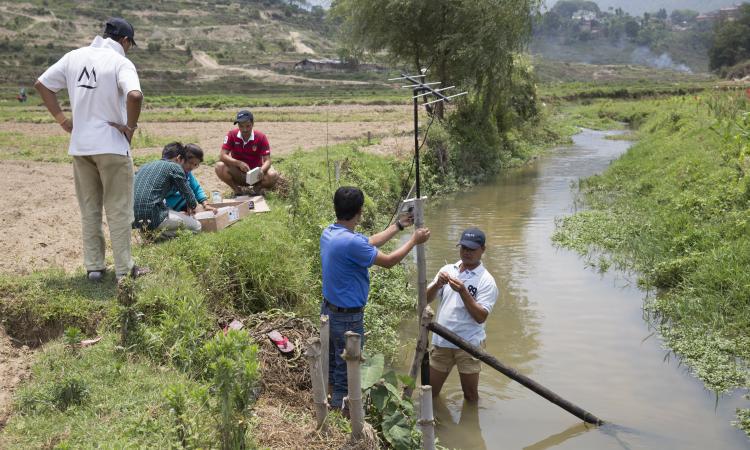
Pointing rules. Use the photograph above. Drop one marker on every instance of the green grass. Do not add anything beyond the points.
(122, 402)
(265, 262)
(20, 146)
(217, 109)
(675, 209)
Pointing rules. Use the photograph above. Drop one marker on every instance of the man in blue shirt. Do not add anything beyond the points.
(346, 257)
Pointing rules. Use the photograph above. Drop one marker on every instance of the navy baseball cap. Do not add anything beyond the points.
(244, 116)
(119, 27)
(472, 238)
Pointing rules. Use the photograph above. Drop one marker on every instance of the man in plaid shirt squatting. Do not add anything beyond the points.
(155, 181)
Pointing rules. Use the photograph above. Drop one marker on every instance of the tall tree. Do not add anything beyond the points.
(467, 42)
(473, 44)
(731, 41)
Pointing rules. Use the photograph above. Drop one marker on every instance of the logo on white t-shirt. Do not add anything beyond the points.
(88, 83)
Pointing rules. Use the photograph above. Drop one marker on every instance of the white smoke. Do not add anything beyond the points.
(644, 56)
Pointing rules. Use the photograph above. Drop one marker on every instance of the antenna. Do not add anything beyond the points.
(421, 89)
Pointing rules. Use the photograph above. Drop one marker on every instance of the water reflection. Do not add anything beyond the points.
(558, 438)
(462, 431)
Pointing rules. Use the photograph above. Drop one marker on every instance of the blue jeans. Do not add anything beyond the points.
(340, 323)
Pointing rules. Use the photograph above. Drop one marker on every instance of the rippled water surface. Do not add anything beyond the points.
(579, 333)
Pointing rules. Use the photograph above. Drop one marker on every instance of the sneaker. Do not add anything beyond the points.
(135, 272)
(95, 275)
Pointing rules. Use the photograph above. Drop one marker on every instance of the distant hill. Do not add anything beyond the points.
(638, 7)
(235, 45)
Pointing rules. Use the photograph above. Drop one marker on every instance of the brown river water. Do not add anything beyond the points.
(580, 333)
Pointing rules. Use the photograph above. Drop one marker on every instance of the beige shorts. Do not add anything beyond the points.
(443, 359)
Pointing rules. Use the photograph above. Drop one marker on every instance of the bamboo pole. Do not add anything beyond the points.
(426, 419)
(514, 374)
(422, 345)
(353, 357)
(313, 355)
(325, 336)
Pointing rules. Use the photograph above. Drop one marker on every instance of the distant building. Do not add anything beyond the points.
(335, 65)
(730, 13)
(320, 65)
(583, 15)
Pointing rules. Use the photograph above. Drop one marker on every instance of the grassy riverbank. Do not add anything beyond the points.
(674, 209)
(142, 394)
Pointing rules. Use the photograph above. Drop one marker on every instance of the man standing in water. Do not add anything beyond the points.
(346, 257)
(467, 294)
(105, 96)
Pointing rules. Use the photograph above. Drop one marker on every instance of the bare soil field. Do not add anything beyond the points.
(42, 222)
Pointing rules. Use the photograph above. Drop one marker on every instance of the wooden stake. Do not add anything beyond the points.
(325, 336)
(512, 373)
(422, 346)
(353, 357)
(313, 355)
(426, 420)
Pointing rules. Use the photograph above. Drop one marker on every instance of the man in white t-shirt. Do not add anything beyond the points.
(105, 99)
(467, 294)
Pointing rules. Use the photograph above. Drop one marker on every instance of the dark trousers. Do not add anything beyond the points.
(340, 323)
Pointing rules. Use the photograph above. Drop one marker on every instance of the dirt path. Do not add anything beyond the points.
(15, 367)
(299, 46)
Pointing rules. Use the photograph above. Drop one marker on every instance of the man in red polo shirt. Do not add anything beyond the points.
(243, 150)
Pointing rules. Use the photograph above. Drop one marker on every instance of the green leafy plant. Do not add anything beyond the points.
(390, 414)
(72, 336)
(69, 391)
(232, 373)
(188, 427)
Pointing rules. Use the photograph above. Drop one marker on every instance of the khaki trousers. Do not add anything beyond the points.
(105, 181)
(176, 220)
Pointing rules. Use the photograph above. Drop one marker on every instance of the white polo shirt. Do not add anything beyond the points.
(453, 314)
(98, 79)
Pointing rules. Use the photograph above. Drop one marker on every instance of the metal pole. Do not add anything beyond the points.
(416, 140)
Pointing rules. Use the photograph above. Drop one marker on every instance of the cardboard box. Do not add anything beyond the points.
(210, 222)
(258, 203)
(244, 207)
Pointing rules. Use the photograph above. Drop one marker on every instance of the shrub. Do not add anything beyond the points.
(232, 372)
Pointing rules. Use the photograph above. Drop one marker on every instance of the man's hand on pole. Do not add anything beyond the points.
(421, 235)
